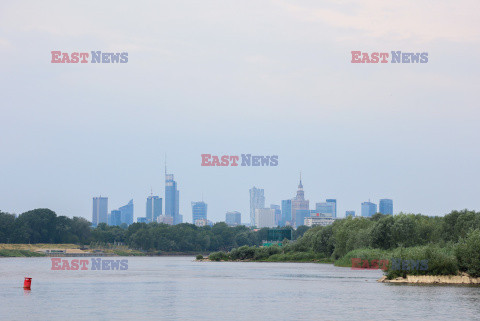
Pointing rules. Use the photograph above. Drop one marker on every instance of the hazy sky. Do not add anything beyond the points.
(233, 77)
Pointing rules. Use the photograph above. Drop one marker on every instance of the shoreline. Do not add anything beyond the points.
(433, 279)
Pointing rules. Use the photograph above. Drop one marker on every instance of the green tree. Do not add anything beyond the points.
(7, 223)
(468, 253)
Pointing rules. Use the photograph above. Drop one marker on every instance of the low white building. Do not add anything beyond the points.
(319, 219)
(203, 222)
(165, 219)
(265, 217)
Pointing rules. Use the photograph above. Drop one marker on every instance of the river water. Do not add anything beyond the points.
(178, 288)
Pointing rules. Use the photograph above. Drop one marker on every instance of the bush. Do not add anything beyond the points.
(441, 261)
(243, 253)
(218, 256)
(199, 257)
(468, 254)
(364, 254)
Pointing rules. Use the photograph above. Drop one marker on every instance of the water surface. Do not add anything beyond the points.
(178, 288)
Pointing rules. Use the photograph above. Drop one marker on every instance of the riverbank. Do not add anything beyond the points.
(433, 279)
(73, 250)
(322, 261)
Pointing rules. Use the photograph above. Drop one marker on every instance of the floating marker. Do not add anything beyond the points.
(27, 283)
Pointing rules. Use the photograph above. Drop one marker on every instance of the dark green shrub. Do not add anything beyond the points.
(218, 256)
(440, 261)
(468, 254)
(243, 253)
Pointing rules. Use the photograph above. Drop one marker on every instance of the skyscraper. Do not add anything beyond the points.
(199, 211)
(264, 217)
(386, 206)
(300, 217)
(325, 208)
(278, 214)
(257, 200)
(233, 218)
(299, 203)
(127, 213)
(349, 213)
(334, 201)
(100, 210)
(154, 208)
(116, 218)
(368, 209)
(286, 213)
(172, 196)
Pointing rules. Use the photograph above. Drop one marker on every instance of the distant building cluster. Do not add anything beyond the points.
(296, 211)
(153, 212)
(292, 212)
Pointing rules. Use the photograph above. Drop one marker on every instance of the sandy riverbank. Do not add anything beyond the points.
(433, 279)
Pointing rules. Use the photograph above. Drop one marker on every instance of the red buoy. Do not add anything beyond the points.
(27, 283)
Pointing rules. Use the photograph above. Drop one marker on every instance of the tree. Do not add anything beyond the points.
(381, 233)
(36, 226)
(7, 222)
(468, 253)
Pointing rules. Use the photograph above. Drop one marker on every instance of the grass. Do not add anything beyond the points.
(18, 253)
(40, 246)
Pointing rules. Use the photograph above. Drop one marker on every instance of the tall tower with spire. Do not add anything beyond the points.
(172, 197)
(300, 206)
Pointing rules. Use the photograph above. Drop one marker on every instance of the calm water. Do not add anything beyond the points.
(177, 288)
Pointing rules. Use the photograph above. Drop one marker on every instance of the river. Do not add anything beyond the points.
(179, 288)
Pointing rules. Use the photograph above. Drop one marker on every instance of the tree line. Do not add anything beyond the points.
(44, 226)
(450, 243)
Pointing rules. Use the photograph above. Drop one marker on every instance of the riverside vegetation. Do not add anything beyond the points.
(451, 243)
(44, 226)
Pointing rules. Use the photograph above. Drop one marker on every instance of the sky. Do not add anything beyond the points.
(237, 77)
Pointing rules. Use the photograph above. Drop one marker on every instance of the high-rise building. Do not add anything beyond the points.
(278, 214)
(257, 200)
(233, 218)
(264, 217)
(172, 197)
(153, 208)
(199, 211)
(368, 209)
(286, 213)
(142, 220)
(299, 203)
(325, 208)
(300, 217)
(100, 210)
(116, 218)
(334, 201)
(126, 213)
(386, 206)
(350, 213)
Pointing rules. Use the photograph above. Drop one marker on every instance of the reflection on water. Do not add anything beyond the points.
(179, 288)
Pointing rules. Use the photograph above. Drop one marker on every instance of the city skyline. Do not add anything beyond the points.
(199, 208)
